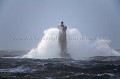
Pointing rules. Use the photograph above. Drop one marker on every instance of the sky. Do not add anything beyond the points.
(29, 18)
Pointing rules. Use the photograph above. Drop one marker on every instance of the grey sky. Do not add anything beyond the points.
(31, 17)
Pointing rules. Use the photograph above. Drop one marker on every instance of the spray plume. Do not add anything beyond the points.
(77, 48)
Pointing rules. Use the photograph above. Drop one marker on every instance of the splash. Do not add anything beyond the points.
(77, 48)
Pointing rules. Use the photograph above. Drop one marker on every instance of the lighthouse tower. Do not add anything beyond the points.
(62, 40)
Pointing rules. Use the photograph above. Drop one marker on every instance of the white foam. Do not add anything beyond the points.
(49, 48)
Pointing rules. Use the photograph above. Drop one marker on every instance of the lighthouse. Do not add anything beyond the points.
(62, 40)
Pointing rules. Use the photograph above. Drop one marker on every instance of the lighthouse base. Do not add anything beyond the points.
(65, 55)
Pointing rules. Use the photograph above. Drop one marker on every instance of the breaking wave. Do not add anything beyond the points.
(77, 47)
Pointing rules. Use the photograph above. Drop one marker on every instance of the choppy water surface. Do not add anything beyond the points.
(60, 68)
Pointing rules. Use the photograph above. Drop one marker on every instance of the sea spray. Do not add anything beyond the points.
(48, 47)
(76, 46)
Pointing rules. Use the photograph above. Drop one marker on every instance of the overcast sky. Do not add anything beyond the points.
(93, 18)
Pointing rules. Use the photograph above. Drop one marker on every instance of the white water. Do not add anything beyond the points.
(49, 48)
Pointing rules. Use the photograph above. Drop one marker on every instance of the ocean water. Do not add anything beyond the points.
(100, 67)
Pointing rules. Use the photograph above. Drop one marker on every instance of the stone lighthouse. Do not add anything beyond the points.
(62, 40)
